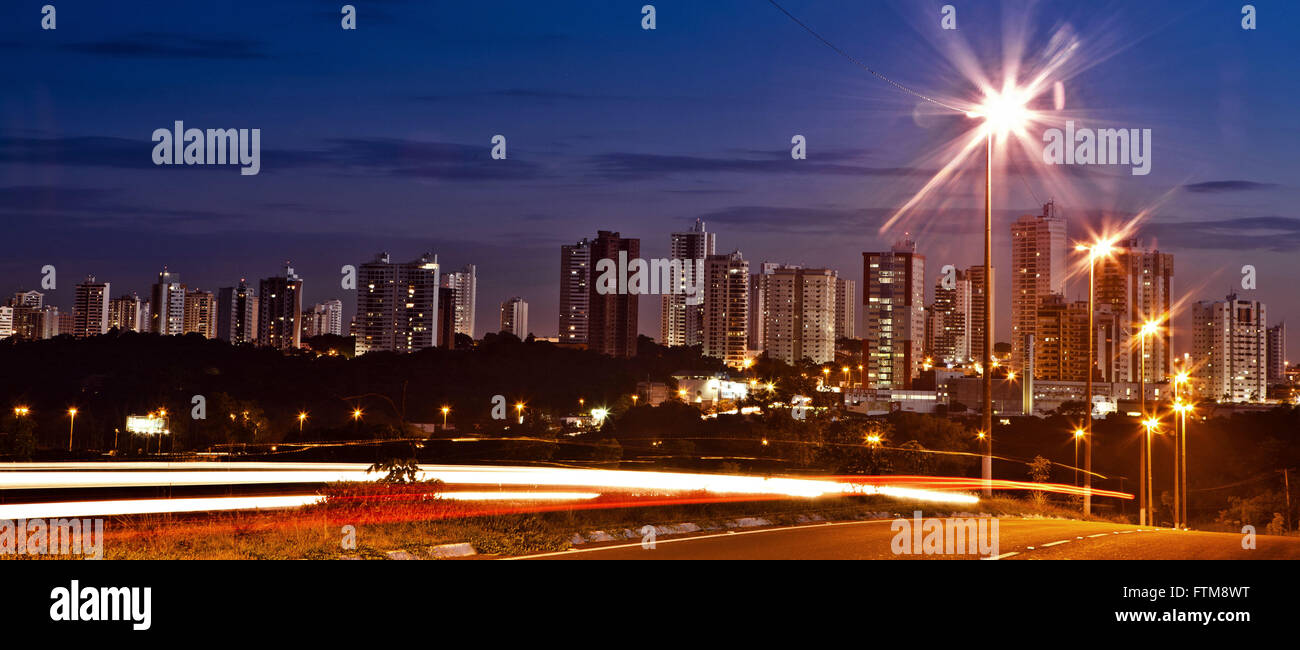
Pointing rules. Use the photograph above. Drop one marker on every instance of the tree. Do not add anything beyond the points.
(22, 437)
(1040, 471)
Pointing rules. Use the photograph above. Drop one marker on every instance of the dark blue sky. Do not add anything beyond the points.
(379, 139)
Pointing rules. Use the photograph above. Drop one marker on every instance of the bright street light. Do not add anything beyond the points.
(72, 422)
(1099, 249)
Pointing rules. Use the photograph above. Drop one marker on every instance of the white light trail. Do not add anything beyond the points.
(146, 474)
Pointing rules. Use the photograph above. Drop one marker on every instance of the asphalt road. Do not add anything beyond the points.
(1018, 539)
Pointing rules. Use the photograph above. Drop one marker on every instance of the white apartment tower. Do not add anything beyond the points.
(726, 308)
(681, 320)
(1038, 269)
(465, 282)
(799, 314)
(397, 305)
(575, 278)
(514, 317)
(1228, 350)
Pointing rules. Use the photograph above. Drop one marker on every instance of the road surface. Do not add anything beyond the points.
(1018, 539)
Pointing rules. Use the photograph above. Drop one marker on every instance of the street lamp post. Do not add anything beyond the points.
(1078, 433)
(72, 422)
(445, 411)
(302, 417)
(1150, 425)
(1097, 249)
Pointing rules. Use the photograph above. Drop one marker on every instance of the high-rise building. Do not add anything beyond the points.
(323, 318)
(757, 306)
(200, 313)
(446, 318)
(1038, 269)
(799, 314)
(465, 282)
(575, 283)
(1277, 362)
(127, 313)
(726, 308)
(29, 320)
(1228, 350)
(6, 321)
(846, 308)
(948, 322)
(90, 308)
(1061, 341)
(279, 311)
(1137, 284)
(397, 305)
(977, 302)
(167, 305)
(514, 317)
(237, 319)
(894, 295)
(681, 320)
(66, 323)
(612, 323)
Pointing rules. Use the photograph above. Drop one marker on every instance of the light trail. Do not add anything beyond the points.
(641, 483)
(69, 509)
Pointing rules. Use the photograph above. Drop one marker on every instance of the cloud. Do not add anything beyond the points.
(81, 151)
(365, 156)
(89, 206)
(1269, 233)
(157, 45)
(407, 159)
(634, 166)
(798, 220)
(1227, 186)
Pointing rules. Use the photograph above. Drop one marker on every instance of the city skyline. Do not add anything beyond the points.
(585, 154)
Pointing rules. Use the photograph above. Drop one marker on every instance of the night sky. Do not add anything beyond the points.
(379, 139)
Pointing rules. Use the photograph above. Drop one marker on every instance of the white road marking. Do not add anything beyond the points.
(1098, 535)
(999, 557)
(686, 539)
(1055, 543)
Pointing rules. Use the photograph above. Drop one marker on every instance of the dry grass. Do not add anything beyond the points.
(388, 518)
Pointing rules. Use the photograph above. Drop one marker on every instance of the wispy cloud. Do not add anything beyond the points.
(1269, 233)
(633, 166)
(1227, 186)
(158, 45)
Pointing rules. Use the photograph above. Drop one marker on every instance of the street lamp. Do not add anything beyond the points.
(21, 411)
(1180, 460)
(519, 409)
(1078, 433)
(1144, 457)
(1003, 113)
(445, 411)
(302, 417)
(1149, 495)
(72, 422)
(1099, 248)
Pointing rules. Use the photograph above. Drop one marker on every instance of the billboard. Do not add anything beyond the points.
(148, 425)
